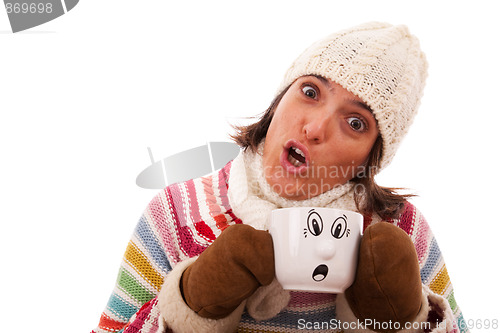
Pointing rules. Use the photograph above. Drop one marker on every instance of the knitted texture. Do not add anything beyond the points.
(185, 218)
(179, 223)
(380, 63)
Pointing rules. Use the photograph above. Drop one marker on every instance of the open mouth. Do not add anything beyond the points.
(295, 157)
(320, 273)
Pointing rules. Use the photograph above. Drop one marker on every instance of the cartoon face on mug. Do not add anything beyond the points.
(325, 237)
(316, 248)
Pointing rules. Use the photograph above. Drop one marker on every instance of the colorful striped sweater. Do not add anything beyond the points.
(185, 218)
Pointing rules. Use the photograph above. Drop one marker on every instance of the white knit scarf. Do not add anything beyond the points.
(252, 198)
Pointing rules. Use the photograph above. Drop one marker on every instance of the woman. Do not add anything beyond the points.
(338, 118)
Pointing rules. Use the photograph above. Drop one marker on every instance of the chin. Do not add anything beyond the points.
(295, 197)
(296, 193)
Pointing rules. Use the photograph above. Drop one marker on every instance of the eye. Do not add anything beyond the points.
(315, 224)
(309, 91)
(339, 227)
(357, 124)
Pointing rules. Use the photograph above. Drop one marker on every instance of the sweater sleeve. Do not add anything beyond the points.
(433, 272)
(440, 312)
(141, 274)
(179, 223)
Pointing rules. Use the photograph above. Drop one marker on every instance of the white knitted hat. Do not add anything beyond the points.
(380, 63)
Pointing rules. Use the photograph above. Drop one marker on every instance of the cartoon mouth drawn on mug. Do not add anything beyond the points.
(320, 273)
(315, 228)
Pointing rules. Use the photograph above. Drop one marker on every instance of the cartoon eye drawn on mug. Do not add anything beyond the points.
(314, 224)
(339, 227)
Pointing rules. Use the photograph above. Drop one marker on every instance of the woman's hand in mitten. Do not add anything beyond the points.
(238, 262)
(387, 287)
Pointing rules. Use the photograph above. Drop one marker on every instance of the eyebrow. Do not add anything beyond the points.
(361, 104)
(351, 101)
(322, 79)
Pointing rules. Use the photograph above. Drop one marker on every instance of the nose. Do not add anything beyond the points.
(326, 249)
(315, 128)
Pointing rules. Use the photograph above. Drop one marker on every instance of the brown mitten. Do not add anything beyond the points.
(387, 287)
(239, 261)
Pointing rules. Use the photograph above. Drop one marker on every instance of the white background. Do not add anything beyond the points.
(83, 96)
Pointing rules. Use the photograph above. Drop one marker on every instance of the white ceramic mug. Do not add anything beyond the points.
(316, 249)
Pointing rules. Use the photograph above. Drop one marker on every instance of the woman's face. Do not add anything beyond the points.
(320, 136)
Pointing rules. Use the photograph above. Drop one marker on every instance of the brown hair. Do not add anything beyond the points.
(372, 198)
